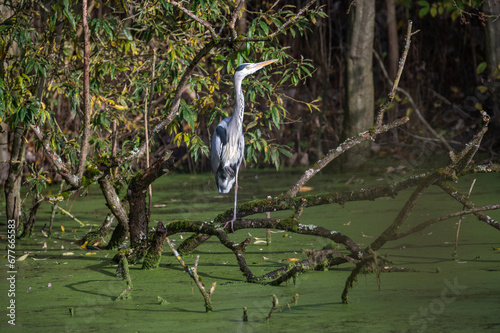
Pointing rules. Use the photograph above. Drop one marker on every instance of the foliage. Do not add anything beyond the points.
(455, 8)
(140, 50)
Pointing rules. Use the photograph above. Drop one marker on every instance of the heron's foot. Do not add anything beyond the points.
(232, 227)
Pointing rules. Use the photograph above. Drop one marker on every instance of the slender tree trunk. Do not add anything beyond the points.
(393, 57)
(359, 88)
(86, 93)
(493, 55)
(30, 223)
(13, 182)
(4, 152)
(392, 36)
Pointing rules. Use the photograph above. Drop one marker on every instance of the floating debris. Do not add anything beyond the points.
(24, 256)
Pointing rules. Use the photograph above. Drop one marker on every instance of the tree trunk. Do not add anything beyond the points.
(13, 182)
(4, 152)
(393, 57)
(493, 56)
(30, 223)
(153, 254)
(359, 89)
(136, 193)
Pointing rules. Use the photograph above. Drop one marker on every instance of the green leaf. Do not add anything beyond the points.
(128, 34)
(481, 67)
(433, 11)
(70, 17)
(264, 27)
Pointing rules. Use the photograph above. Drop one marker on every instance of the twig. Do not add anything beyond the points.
(70, 215)
(367, 135)
(412, 102)
(293, 19)
(235, 17)
(334, 153)
(293, 300)
(56, 205)
(402, 61)
(430, 222)
(196, 278)
(460, 222)
(194, 17)
(455, 194)
(56, 160)
(245, 314)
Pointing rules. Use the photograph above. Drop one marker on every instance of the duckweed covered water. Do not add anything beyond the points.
(61, 288)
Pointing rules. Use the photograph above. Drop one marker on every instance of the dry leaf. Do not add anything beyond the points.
(24, 256)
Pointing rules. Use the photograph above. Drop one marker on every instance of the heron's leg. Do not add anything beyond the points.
(235, 203)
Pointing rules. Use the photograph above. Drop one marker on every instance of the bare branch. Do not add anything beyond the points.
(236, 13)
(455, 194)
(412, 102)
(402, 61)
(334, 153)
(195, 17)
(430, 222)
(293, 19)
(56, 160)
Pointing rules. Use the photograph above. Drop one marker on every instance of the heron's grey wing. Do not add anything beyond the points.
(219, 139)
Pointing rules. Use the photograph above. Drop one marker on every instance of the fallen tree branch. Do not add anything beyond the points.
(196, 278)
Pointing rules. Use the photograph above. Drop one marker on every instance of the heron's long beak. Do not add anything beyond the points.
(259, 65)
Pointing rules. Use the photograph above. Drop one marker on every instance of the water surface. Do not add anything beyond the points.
(75, 293)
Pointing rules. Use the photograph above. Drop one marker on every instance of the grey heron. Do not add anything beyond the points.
(228, 142)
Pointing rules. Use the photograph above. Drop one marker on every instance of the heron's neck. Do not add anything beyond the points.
(237, 119)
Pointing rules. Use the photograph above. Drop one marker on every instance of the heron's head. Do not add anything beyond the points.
(247, 69)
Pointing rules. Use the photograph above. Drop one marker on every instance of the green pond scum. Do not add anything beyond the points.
(61, 287)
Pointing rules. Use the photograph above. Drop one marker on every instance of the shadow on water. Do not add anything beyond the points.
(62, 288)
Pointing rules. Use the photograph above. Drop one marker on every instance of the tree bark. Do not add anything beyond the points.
(4, 152)
(493, 55)
(393, 57)
(359, 88)
(136, 193)
(30, 223)
(86, 93)
(153, 254)
(13, 182)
